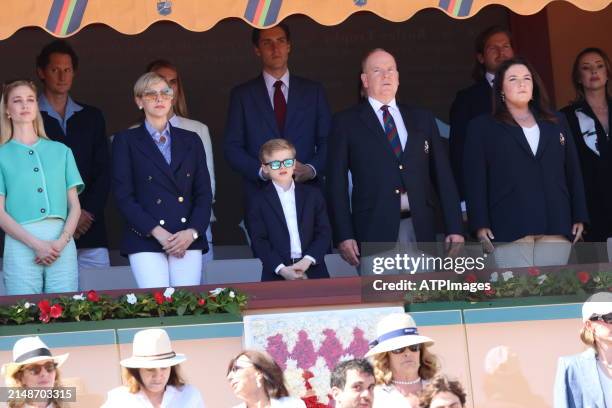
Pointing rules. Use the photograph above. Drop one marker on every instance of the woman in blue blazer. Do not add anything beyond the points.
(585, 380)
(522, 176)
(162, 188)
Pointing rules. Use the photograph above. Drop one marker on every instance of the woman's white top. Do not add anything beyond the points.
(202, 131)
(533, 137)
(284, 402)
(387, 396)
(186, 396)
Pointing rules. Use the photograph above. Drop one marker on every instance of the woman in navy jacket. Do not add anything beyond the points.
(162, 188)
(522, 176)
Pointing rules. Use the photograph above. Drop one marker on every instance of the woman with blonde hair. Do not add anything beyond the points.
(258, 381)
(34, 366)
(585, 380)
(153, 377)
(39, 204)
(402, 362)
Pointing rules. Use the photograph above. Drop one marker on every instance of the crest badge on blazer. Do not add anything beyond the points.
(426, 147)
(561, 139)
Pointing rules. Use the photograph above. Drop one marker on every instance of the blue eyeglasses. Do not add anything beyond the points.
(276, 164)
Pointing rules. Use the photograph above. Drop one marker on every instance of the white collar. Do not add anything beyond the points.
(270, 80)
(376, 104)
(280, 190)
(490, 78)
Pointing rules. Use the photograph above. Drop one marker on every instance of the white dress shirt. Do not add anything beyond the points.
(270, 81)
(533, 137)
(490, 78)
(402, 132)
(287, 199)
(185, 397)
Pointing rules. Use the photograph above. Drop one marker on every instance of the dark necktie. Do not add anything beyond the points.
(391, 131)
(280, 106)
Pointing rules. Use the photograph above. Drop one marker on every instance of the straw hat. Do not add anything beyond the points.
(396, 331)
(152, 349)
(30, 350)
(598, 304)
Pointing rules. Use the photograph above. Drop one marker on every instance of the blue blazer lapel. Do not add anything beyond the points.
(518, 135)
(272, 198)
(145, 143)
(300, 199)
(590, 378)
(262, 100)
(295, 96)
(371, 120)
(412, 143)
(547, 132)
(179, 149)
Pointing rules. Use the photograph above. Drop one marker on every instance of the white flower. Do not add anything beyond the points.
(507, 275)
(79, 297)
(232, 294)
(294, 378)
(215, 292)
(168, 292)
(541, 279)
(27, 305)
(320, 379)
(494, 277)
(131, 298)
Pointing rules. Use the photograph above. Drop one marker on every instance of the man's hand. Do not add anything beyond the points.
(289, 273)
(454, 243)
(485, 235)
(349, 251)
(302, 172)
(577, 230)
(86, 220)
(302, 265)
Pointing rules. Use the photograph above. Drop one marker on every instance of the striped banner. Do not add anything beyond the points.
(65, 16)
(456, 8)
(262, 13)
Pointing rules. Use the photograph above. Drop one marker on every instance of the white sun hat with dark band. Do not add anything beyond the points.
(598, 304)
(30, 350)
(396, 331)
(152, 349)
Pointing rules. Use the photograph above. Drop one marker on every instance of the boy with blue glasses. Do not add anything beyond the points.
(288, 222)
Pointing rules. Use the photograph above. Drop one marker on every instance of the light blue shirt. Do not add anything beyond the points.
(164, 147)
(71, 108)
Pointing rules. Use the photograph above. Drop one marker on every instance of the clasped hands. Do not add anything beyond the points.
(297, 270)
(174, 244)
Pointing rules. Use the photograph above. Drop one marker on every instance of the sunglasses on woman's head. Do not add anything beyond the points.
(35, 369)
(414, 348)
(276, 164)
(151, 95)
(607, 318)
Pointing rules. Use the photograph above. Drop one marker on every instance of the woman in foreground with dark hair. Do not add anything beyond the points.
(522, 176)
(256, 379)
(589, 118)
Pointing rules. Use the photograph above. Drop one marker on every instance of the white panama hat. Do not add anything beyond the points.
(598, 304)
(395, 331)
(30, 350)
(152, 349)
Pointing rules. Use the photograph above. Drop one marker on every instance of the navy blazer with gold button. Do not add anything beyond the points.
(150, 192)
(516, 193)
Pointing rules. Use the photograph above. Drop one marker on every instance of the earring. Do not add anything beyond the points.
(139, 107)
(503, 97)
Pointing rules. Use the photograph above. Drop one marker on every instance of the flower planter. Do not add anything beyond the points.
(63, 327)
(499, 302)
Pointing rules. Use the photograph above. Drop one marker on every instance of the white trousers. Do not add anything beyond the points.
(157, 269)
(93, 258)
(533, 250)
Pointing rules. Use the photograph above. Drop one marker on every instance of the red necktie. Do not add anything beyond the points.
(280, 106)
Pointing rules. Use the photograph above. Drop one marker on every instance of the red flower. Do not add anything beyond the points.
(471, 278)
(44, 306)
(92, 296)
(533, 271)
(583, 277)
(44, 317)
(159, 297)
(169, 299)
(56, 311)
(490, 292)
(201, 301)
(213, 298)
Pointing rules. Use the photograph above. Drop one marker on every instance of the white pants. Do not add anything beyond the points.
(533, 250)
(157, 269)
(93, 258)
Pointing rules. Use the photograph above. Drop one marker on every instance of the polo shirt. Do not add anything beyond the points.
(35, 179)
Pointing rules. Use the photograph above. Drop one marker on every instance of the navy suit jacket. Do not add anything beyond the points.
(150, 192)
(358, 143)
(270, 235)
(86, 137)
(515, 193)
(469, 103)
(251, 123)
(577, 383)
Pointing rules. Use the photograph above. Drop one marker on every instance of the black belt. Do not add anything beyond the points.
(405, 214)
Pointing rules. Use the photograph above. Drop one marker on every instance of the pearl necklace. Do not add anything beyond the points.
(398, 382)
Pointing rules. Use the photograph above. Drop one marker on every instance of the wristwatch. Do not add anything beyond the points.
(195, 234)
